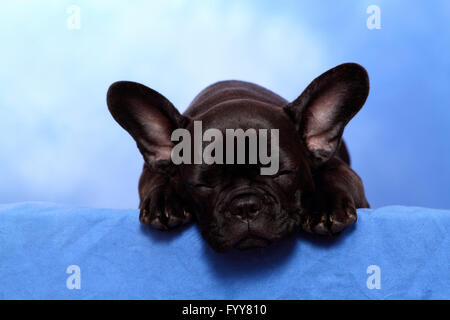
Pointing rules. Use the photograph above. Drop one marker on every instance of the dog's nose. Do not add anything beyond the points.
(246, 207)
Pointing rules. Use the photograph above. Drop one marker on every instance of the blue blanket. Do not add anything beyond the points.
(50, 251)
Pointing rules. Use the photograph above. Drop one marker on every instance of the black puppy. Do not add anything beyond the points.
(314, 188)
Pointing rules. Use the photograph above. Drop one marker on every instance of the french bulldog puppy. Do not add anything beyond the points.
(314, 188)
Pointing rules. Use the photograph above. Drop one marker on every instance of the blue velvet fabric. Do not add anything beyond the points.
(120, 259)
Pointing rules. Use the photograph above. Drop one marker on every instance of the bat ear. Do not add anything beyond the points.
(147, 116)
(322, 111)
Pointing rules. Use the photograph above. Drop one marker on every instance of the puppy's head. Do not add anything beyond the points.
(236, 204)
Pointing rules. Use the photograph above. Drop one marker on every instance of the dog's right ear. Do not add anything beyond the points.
(322, 111)
(147, 116)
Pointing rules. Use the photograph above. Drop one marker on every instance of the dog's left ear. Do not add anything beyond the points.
(322, 111)
(148, 117)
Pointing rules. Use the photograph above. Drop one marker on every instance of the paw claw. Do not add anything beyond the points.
(337, 226)
(156, 223)
(173, 221)
(321, 228)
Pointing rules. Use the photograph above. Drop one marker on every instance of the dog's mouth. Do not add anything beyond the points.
(251, 241)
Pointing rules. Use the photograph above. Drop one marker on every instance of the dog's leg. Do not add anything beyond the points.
(339, 191)
(163, 200)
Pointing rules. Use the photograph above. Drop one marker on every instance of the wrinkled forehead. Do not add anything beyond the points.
(261, 121)
(248, 115)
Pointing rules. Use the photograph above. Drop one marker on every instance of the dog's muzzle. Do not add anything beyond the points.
(246, 208)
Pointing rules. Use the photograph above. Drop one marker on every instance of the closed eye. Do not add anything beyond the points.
(199, 185)
(287, 171)
(283, 172)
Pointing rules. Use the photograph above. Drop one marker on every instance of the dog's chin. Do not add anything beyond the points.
(244, 243)
(250, 242)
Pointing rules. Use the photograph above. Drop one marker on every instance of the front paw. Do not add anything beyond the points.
(332, 216)
(163, 209)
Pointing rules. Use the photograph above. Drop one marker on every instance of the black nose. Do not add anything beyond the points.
(246, 207)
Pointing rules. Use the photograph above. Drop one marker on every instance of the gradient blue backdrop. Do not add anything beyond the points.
(59, 143)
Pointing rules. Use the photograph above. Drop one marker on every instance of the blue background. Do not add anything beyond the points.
(59, 143)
